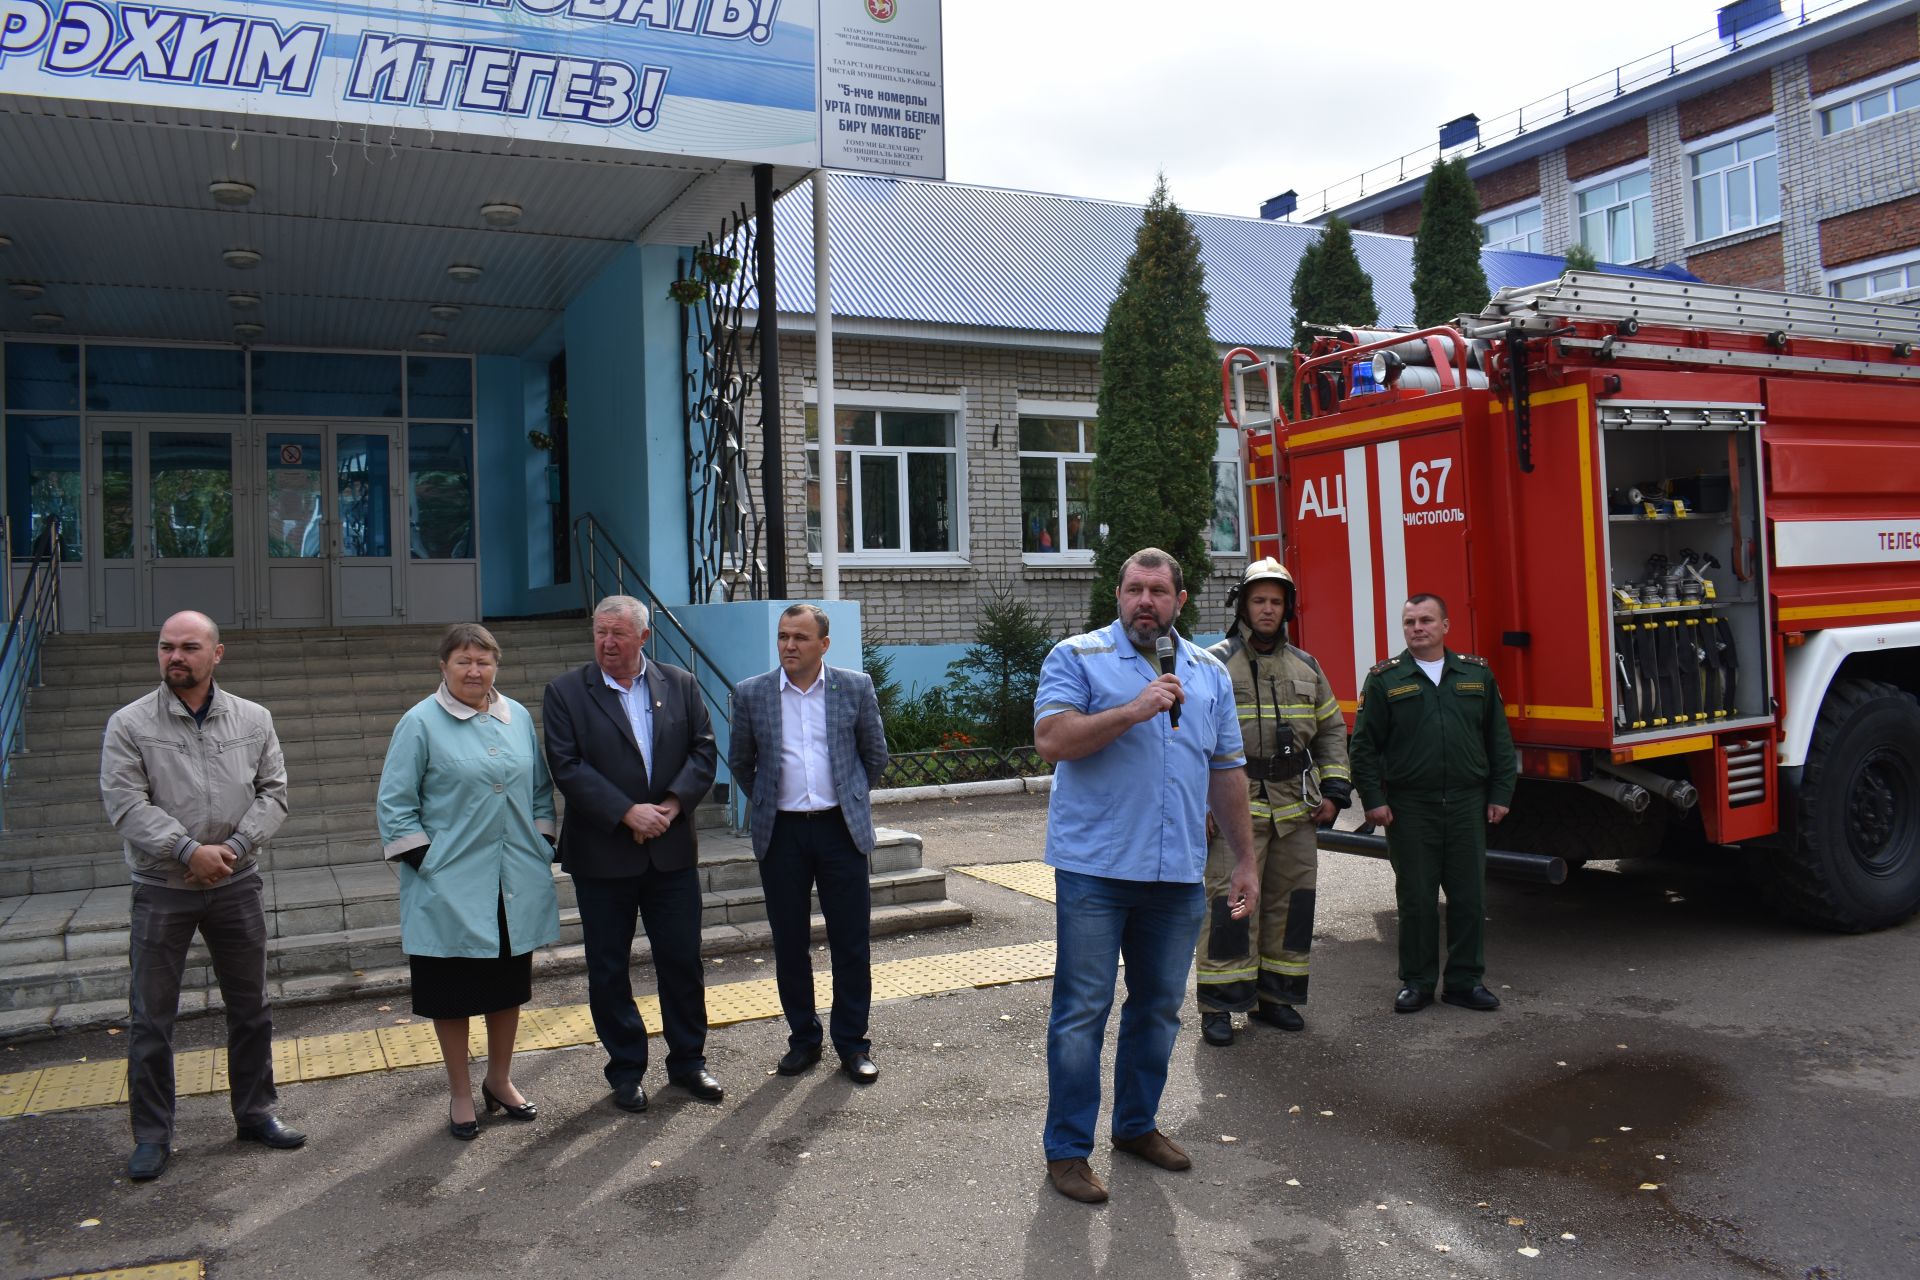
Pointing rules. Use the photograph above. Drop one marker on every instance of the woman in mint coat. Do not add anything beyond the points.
(466, 810)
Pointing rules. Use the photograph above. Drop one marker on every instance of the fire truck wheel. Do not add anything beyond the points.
(1851, 857)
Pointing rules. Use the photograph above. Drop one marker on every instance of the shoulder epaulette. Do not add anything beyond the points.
(1379, 667)
(1474, 658)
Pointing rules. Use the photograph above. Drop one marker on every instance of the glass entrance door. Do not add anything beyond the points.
(329, 529)
(167, 533)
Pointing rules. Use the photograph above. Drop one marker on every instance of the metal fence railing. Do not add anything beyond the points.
(606, 571)
(964, 764)
(32, 617)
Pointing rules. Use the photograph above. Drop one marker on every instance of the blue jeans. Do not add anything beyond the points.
(1153, 925)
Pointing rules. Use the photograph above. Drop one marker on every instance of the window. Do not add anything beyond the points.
(43, 481)
(440, 490)
(897, 481)
(326, 384)
(1877, 279)
(1903, 94)
(1225, 532)
(1513, 229)
(165, 380)
(1056, 488)
(1736, 185)
(1616, 218)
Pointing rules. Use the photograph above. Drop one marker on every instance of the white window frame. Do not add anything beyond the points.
(1486, 221)
(1612, 178)
(1852, 94)
(1084, 412)
(1736, 134)
(1226, 452)
(1907, 260)
(881, 402)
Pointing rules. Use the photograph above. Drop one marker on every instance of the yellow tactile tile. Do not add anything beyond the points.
(15, 1089)
(1035, 879)
(189, 1270)
(413, 1044)
(79, 1084)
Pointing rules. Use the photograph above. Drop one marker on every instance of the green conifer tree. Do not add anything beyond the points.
(1329, 287)
(1159, 402)
(1447, 277)
(1580, 258)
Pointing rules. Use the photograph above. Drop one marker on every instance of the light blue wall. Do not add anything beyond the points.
(919, 667)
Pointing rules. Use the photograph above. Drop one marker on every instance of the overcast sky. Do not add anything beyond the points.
(1237, 102)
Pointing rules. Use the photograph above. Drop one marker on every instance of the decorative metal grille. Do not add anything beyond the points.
(964, 764)
(724, 519)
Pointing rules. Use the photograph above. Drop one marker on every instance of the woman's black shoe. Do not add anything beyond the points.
(525, 1111)
(465, 1130)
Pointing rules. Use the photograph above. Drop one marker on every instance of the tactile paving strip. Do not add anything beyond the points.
(413, 1044)
(1035, 879)
(189, 1270)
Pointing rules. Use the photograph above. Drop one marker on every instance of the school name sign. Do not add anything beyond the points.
(724, 79)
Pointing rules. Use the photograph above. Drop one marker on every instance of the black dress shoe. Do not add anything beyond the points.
(525, 1111)
(1283, 1016)
(464, 1130)
(1216, 1029)
(629, 1096)
(1478, 998)
(859, 1068)
(1412, 1000)
(149, 1161)
(271, 1133)
(798, 1059)
(701, 1085)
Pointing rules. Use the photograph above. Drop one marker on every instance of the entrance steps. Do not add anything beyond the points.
(332, 900)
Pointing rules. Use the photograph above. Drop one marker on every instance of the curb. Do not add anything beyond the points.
(957, 790)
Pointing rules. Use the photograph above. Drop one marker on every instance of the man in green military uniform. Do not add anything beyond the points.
(1433, 759)
(1297, 777)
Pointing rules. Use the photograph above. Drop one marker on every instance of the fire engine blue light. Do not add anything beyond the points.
(1363, 383)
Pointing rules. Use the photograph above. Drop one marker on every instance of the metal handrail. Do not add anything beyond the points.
(604, 564)
(36, 615)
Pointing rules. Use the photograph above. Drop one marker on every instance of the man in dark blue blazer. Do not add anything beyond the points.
(631, 747)
(807, 746)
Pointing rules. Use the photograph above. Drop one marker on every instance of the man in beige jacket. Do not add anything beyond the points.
(195, 783)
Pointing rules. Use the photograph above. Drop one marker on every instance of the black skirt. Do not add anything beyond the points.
(459, 987)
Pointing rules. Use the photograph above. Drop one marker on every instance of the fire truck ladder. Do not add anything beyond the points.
(1628, 302)
(1260, 475)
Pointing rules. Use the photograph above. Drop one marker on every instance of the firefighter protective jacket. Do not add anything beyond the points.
(1285, 702)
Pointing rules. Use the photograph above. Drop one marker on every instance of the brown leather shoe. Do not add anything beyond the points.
(1157, 1147)
(1076, 1180)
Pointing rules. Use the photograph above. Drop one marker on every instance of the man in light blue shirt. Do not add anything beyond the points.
(1126, 837)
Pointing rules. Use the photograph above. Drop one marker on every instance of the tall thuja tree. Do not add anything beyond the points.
(1159, 401)
(1447, 276)
(1329, 287)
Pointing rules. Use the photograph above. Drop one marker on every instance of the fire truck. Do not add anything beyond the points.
(1681, 522)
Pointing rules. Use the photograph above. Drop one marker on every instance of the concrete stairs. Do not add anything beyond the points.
(333, 902)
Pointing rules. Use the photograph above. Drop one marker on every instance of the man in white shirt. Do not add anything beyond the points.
(806, 746)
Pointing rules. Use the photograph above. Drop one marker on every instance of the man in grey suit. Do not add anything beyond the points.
(807, 746)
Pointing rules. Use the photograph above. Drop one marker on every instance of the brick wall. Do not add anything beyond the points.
(1607, 149)
(929, 604)
(1759, 262)
(1870, 233)
(1506, 186)
(1403, 221)
(1744, 99)
(1887, 46)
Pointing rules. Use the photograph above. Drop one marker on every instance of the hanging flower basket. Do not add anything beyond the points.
(687, 291)
(540, 440)
(717, 267)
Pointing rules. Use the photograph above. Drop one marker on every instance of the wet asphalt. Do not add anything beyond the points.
(1678, 1085)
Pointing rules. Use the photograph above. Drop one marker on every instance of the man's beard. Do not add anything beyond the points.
(1265, 640)
(1145, 629)
(180, 678)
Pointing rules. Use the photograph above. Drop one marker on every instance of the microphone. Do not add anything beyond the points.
(1163, 648)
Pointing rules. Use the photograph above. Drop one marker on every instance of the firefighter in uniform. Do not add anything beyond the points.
(1297, 777)
(1434, 762)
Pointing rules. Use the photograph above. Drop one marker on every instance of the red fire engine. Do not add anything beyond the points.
(1682, 522)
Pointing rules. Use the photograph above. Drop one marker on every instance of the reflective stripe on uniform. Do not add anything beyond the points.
(1292, 968)
(1217, 976)
(1285, 813)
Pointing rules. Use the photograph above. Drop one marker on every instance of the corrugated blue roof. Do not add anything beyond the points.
(985, 257)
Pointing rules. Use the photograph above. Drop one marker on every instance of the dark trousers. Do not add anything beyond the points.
(233, 921)
(667, 903)
(1435, 848)
(805, 852)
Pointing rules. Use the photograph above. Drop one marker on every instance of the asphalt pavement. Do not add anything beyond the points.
(1678, 1085)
